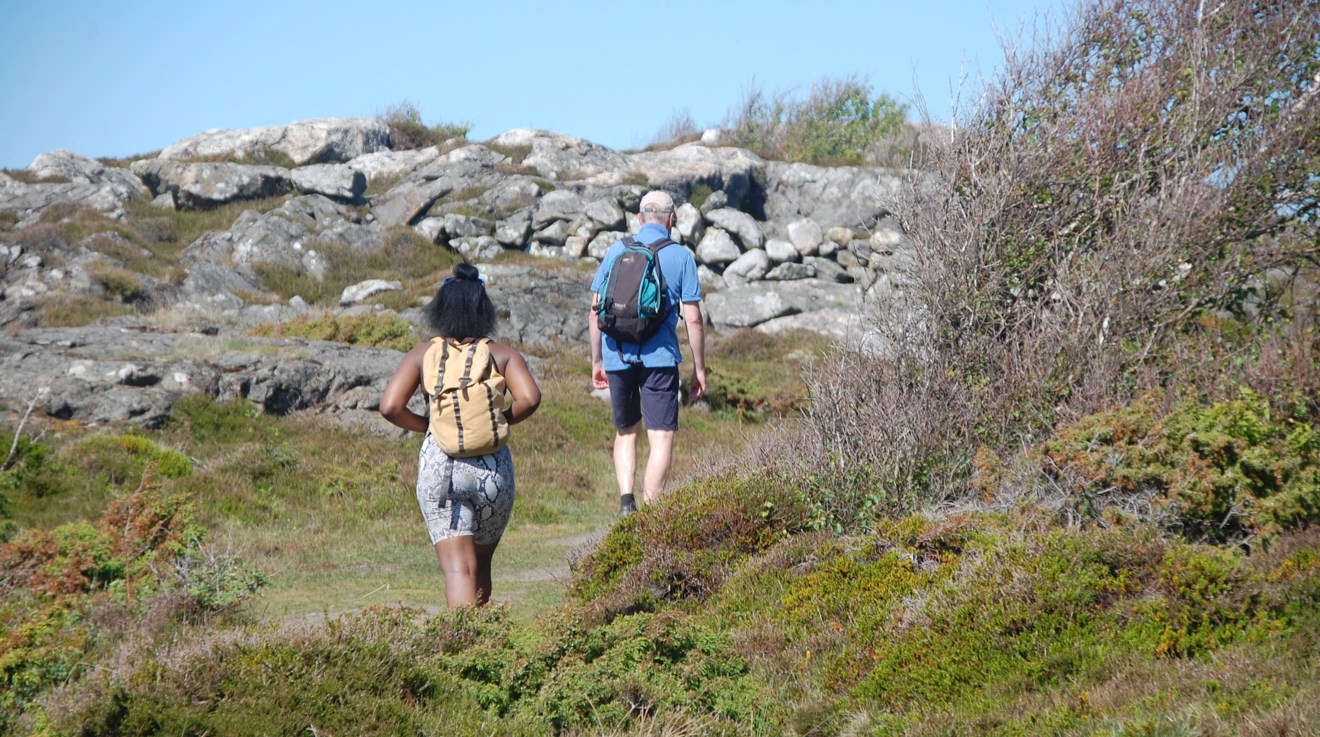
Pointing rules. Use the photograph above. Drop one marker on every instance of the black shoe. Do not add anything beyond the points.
(627, 507)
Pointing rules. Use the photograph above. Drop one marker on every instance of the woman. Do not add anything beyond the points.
(465, 520)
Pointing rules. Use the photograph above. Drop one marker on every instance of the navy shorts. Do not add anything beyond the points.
(642, 393)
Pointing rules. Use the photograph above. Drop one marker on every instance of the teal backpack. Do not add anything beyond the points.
(633, 303)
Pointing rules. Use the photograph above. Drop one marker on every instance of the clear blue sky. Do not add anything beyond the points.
(122, 78)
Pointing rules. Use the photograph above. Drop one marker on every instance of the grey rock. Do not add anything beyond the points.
(332, 180)
(514, 230)
(512, 194)
(408, 201)
(736, 172)
(601, 243)
(555, 233)
(715, 201)
(363, 290)
(781, 251)
(561, 204)
(710, 280)
(386, 164)
(465, 226)
(205, 186)
(828, 270)
(837, 234)
(575, 246)
(789, 271)
(689, 223)
(751, 305)
(739, 224)
(432, 229)
(852, 197)
(806, 236)
(751, 266)
(206, 280)
(28, 201)
(306, 142)
(606, 213)
(478, 248)
(717, 248)
(560, 157)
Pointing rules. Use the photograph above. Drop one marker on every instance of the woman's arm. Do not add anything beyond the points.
(400, 389)
(522, 385)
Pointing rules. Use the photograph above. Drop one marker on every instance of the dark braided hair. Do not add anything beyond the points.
(461, 308)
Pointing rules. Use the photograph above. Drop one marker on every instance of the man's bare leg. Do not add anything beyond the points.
(625, 458)
(661, 443)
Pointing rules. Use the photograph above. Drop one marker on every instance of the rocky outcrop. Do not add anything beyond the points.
(779, 246)
(115, 375)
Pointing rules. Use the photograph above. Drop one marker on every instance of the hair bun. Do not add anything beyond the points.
(467, 272)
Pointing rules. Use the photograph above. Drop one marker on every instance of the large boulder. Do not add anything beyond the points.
(848, 196)
(562, 157)
(736, 172)
(383, 164)
(306, 142)
(753, 304)
(339, 181)
(206, 185)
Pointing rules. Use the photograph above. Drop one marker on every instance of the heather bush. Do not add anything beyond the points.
(683, 548)
(1130, 207)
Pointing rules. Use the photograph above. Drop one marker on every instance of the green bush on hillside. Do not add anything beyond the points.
(1219, 473)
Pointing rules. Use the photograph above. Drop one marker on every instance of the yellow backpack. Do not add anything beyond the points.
(466, 392)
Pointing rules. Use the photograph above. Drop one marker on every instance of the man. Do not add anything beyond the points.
(643, 378)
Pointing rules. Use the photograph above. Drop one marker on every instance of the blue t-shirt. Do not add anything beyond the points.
(681, 285)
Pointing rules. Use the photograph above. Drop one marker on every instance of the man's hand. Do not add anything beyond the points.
(698, 383)
(598, 378)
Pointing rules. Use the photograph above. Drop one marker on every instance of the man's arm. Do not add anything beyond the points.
(696, 335)
(598, 378)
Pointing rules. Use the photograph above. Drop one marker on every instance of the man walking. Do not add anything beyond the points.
(643, 377)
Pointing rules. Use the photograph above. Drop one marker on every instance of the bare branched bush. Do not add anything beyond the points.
(681, 128)
(1133, 205)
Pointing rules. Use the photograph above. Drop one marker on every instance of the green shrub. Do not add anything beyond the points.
(1219, 473)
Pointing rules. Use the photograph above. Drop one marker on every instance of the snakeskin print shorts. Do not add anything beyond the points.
(464, 496)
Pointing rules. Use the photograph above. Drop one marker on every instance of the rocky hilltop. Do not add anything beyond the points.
(779, 245)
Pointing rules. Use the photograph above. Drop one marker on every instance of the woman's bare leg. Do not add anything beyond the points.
(466, 568)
